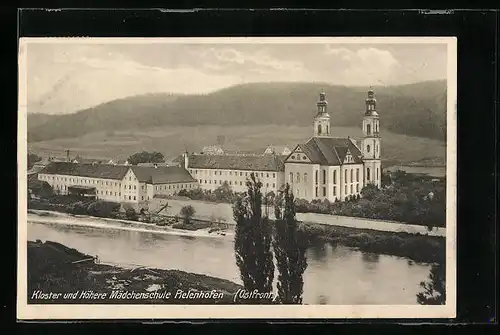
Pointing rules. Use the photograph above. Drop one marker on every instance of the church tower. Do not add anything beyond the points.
(322, 118)
(371, 142)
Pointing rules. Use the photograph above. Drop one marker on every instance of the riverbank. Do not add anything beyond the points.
(61, 275)
(63, 218)
(418, 248)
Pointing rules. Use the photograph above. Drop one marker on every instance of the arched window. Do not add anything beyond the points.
(327, 130)
(368, 174)
(377, 174)
(335, 176)
(319, 129)
(298, 177)
(351, 175)
(305, 177)
(345, 176)
(316, 178)
(368, 148)
(324, 176)
(368, 129)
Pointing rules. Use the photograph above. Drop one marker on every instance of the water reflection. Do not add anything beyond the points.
(370, 260)
(318, 252)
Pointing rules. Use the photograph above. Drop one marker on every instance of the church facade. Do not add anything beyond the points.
(324, 167)
(335, 168)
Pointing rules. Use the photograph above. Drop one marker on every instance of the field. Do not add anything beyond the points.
(173, 140)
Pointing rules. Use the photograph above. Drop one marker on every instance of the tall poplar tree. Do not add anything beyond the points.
(252, 243)
(290, 253)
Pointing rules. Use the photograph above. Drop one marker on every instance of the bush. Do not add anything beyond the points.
(187, 212)
(131, 214)
(102, 208)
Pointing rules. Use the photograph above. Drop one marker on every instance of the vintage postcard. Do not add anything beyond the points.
(175, 178)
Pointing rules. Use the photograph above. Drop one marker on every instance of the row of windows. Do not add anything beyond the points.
(88, 181)
(231, 173)
(172, 187)
(368, 174)
(229, 182)
(346, 179)
(335, 190)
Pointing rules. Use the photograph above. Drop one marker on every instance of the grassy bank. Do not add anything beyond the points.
(419, 248)
(55, 268)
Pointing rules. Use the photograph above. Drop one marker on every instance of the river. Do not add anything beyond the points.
(335, 275)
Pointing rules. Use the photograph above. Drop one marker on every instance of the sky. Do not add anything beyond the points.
(66, 77)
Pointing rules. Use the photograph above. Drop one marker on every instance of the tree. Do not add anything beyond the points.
(434, 288)
(146, 157)
(32, 159)
(223, 193)
(252, 242)
(187, 213)
(289, 252)
(369, 192)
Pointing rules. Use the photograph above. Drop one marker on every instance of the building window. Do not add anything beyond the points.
(129, 198)
(267, 184)
(241, 183)
(351, 175)
(368, 148)
(368, 129)
(319, 129)
(262, 174)
(368, 174)
(324, 191)
(298, 177)
(291, 177)
(274, 185)
(316, 189)
(316, 179)
(346, 189)
(274, 175)
(357, 175)
(345, 176)
(351, 188)
(230, 182)
(305, 177)
(324, 176)
(142, 198)
(377, 175)
(334, 190)
(230, 173)
(357, 188)
(134, 197)
(335, 176)
(135, 187)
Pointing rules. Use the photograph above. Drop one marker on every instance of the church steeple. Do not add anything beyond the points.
(371, 103)
(322, 119)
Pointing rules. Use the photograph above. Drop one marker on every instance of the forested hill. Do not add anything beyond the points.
(416, 109)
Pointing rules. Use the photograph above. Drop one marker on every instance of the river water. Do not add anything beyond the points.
(335, 275)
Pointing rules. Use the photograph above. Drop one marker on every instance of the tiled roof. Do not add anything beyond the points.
(237, 162)
(330, 150)
(162, 175)
(104, 171)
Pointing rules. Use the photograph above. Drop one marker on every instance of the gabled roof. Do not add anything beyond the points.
(238, 162)
(162, 174)
(330, 150)
(104, 171)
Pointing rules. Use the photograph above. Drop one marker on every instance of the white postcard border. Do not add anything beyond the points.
(74, 312)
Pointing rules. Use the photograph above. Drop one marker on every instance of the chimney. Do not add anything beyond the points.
(186, 160)
(67, 156)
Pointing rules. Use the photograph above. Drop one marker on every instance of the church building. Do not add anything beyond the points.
(334, 168)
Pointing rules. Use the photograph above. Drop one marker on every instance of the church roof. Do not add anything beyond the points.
(330, 150)
(238, 162)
